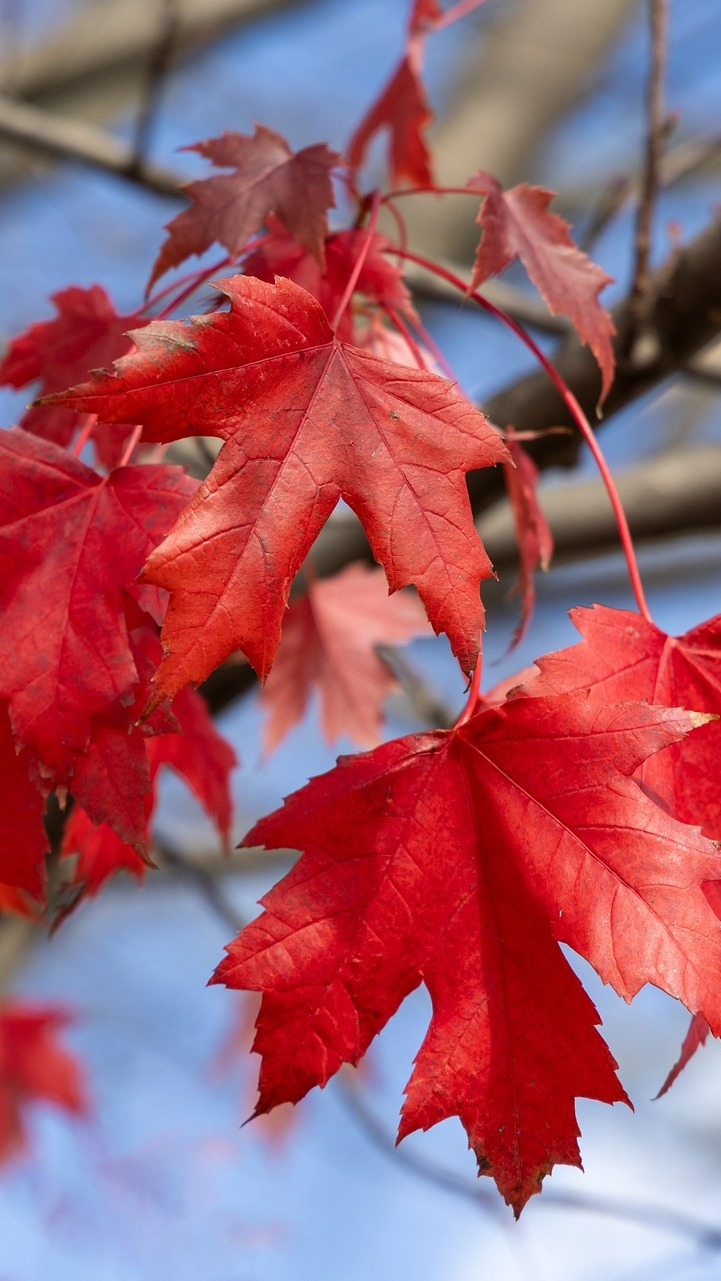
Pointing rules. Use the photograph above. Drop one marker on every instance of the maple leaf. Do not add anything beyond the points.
(268, 178)
(624, 656)
(200, 755)
(197, 752)
(517, 224)
(86, 334)
(402, 108)
(72, 543)
(535, 541)
(328, 642)
(100, 853)
(460, 859)
(379, 279)
(23, 841)
(34, 1068)
(306, 420)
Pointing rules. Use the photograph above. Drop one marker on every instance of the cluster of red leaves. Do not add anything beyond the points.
(566, 811)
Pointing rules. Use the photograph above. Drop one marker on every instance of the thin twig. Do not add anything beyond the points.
(641, 295)
(203, 881)
(424, 699)
(660, 1218)
(56, 135)
(158, 64)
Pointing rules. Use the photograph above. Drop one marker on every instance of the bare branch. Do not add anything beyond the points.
(55, 135)
(642, 338)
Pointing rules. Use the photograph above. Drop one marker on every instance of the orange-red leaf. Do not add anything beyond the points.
(517, 224)
(267, 178)
(328, 644)
(307, 420)
(460, 860)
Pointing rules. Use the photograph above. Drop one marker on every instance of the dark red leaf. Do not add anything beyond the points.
(267, 178)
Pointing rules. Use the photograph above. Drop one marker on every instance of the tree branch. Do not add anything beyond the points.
(55, 135)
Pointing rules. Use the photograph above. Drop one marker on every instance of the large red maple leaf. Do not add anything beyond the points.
(306, 420)
(461, 860)
(329, 643)
(34, 1068)
(517, 224)
(71, 544)
(267, 178)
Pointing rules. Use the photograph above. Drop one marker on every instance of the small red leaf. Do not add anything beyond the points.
(328, 643)
(267, 178)
(517, 224)
(535, 541)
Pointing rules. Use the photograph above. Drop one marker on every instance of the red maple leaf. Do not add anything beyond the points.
(402, 108)
(268, 178)
(624, 656)
(86, 334)
(34, 1068)
(72, 542)
(23, 841)
(197, 752)
(306, 420)
(461, 860)
(379, 279)
(518, 224)
(535, 541)
(328, 643)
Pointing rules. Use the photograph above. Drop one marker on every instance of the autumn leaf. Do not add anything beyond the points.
(461, 860)
(402, 108)
(535, 541)
(267, 178)
(328, 644)
(517, 224)
(199, 755)
(34, 1068)
(23, 841)
(71, 544)
(380, 280)
(624, 656)
(306, 420)
(86, 334)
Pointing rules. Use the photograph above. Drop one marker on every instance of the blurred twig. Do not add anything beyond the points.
(642, 342)
(55, 135)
